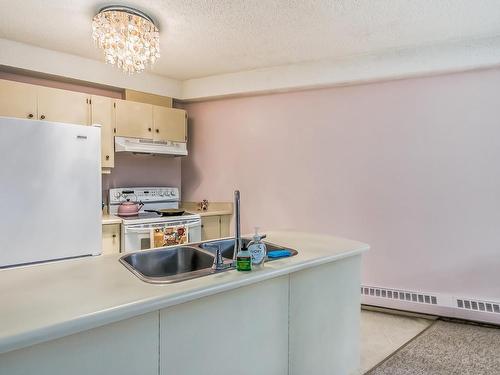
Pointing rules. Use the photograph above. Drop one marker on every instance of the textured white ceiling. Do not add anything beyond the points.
(203, 38)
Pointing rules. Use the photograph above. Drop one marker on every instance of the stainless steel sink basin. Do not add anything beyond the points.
(227, 247)
(167, 265)
(174, 264)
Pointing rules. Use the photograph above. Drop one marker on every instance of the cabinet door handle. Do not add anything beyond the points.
(30, 115)
(107, 157)
(157, 130)
(114, 235)
(149, 129)
(42, 117)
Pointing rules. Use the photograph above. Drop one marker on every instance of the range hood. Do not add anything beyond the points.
(149, 146)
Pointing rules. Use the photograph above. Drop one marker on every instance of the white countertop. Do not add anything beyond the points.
(111, 219)
(214, 208)
(210, 212)
(47, 301)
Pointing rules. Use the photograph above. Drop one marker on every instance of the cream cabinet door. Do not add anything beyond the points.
(242, 332)
(134, 119)
(126, 347)
(17, 99)
(225, 223)
(104, 115)
(63, 106)
(170, 124)
(210, 227)
(111, 238)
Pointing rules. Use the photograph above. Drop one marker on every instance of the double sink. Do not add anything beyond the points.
(179, 263)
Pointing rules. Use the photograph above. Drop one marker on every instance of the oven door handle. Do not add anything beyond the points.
(148, 229)
(137, 230)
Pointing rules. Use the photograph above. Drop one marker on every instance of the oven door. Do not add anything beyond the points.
(138, 236)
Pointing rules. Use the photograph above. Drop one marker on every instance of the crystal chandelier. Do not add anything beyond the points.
(129, 38)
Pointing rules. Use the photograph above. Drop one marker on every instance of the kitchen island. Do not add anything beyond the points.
(298, 315)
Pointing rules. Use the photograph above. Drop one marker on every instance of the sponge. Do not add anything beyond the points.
(281, 253)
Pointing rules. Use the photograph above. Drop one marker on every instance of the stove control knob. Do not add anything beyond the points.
(117, 194)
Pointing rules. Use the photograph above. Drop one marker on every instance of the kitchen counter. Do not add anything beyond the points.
(110, 219)
(47, 301)
(214, 208)
(210, 212)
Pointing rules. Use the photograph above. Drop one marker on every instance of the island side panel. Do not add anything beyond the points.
(243, 331)
(325, 318)
(128, 347)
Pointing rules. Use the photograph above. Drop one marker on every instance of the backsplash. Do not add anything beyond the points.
(142, 170)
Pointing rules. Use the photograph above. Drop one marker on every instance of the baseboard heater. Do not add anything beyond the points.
(432, 303)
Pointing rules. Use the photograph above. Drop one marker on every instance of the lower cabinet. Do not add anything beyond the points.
(324, 318)
(303, 323)
(111, 238)
(216, 226)
(225, 222)
(243, 331)
(128, 347)
(210, 227)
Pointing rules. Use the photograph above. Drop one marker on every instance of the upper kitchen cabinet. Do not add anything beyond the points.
(18, 99)
(63, 106)
(134, 119)
(104, 115)
(170, 124)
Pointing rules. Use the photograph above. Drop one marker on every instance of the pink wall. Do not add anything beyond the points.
(410, 167)
(142, 170)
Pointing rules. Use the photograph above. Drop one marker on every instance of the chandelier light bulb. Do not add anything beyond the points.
(129, 38)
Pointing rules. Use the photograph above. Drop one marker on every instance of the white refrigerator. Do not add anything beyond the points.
(50, 191)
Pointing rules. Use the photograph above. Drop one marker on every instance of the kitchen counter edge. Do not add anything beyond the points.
(101, 317)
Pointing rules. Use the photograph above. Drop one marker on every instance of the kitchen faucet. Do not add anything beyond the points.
(218, 261)
(237, 228)
(219, 264)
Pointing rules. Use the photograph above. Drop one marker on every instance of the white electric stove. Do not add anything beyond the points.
(138, 231)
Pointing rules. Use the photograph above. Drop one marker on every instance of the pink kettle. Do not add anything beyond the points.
(129, 208)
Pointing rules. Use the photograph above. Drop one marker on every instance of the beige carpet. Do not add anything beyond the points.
(447, 349)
